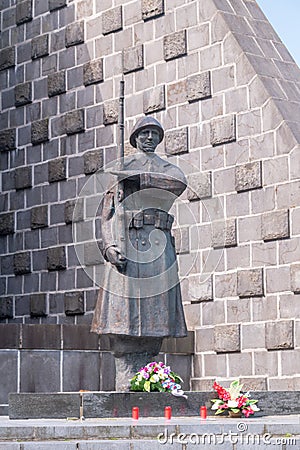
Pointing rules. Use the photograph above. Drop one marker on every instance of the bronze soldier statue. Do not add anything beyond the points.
(140, 302)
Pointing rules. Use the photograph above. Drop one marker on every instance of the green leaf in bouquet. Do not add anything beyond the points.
(176, 377)
(147, 386)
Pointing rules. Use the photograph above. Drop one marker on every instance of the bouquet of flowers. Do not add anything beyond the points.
(233, 399)
(155, 376)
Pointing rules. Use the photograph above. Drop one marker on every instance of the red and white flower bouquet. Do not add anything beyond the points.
(232, 399)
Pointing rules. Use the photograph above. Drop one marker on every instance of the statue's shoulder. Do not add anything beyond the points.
(131, 162)
(162, 162)
(171, 170)
(167, 165)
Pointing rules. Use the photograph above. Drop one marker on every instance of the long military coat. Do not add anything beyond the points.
(144, 299)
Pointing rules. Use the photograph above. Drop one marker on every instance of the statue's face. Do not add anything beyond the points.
(147, 139)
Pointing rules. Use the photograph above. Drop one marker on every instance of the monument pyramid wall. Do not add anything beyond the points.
(226, 90)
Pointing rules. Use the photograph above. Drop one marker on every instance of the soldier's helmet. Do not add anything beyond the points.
(142, 123)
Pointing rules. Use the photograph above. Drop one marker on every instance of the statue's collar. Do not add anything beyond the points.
(144, 159)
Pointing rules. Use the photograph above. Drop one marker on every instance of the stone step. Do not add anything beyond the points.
(155, 430)
(88, 445)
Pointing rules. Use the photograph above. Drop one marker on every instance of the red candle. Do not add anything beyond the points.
(168, 412)
(135, 412)
(203, 412)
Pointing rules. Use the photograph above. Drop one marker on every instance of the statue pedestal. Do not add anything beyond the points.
(131, 354)
(127, 366)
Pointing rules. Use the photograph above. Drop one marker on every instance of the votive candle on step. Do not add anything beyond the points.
(168, 412)
(203, 412)
(135, 412)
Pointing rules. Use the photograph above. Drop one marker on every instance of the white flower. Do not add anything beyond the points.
(162, 375)
(232, 404)
(154, 378)
(215, 406)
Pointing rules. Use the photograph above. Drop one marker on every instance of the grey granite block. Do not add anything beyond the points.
(74, 121)
(56, 83)
(23, 94)
(7, 58)
(154, 99)
(275, 225)
(223, 130)
(93, 72)
(87, 373)
(199, 186)
(110, 112)
(57, 170)
(227, 338)
(24, 11)
(8, 139)
(114, 404)
(74, 211)
(224, 233)
(198, 87)
(79, 337)
(176, 141)
(112, 20)
(248, 176)
(93, 161)
(7, 223)
(9, 373)
(58, 406)
(152, 9)
(22, 263)
(280, 335)
(56, 4)
(40, 46)
(295, 278)
(56, 258)
(175, 45)
(250, 283)
(133, 59)
(41, 336)
(38, 305)
(39, 217)
(40, 131)
(74, 303)
(6, 308)
(75, 33)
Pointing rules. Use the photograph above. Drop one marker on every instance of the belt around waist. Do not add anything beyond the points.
(160, 219)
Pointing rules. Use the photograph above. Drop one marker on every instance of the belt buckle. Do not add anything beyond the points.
(149, 219)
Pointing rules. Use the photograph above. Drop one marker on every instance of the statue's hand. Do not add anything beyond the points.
(121, 195)
(115, 257)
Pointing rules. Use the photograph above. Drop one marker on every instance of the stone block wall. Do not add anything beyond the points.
(227, 93)
(67, 357)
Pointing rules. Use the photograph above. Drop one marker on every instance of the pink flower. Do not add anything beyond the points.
(241, 401)
(248, 411)
(224, 406)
